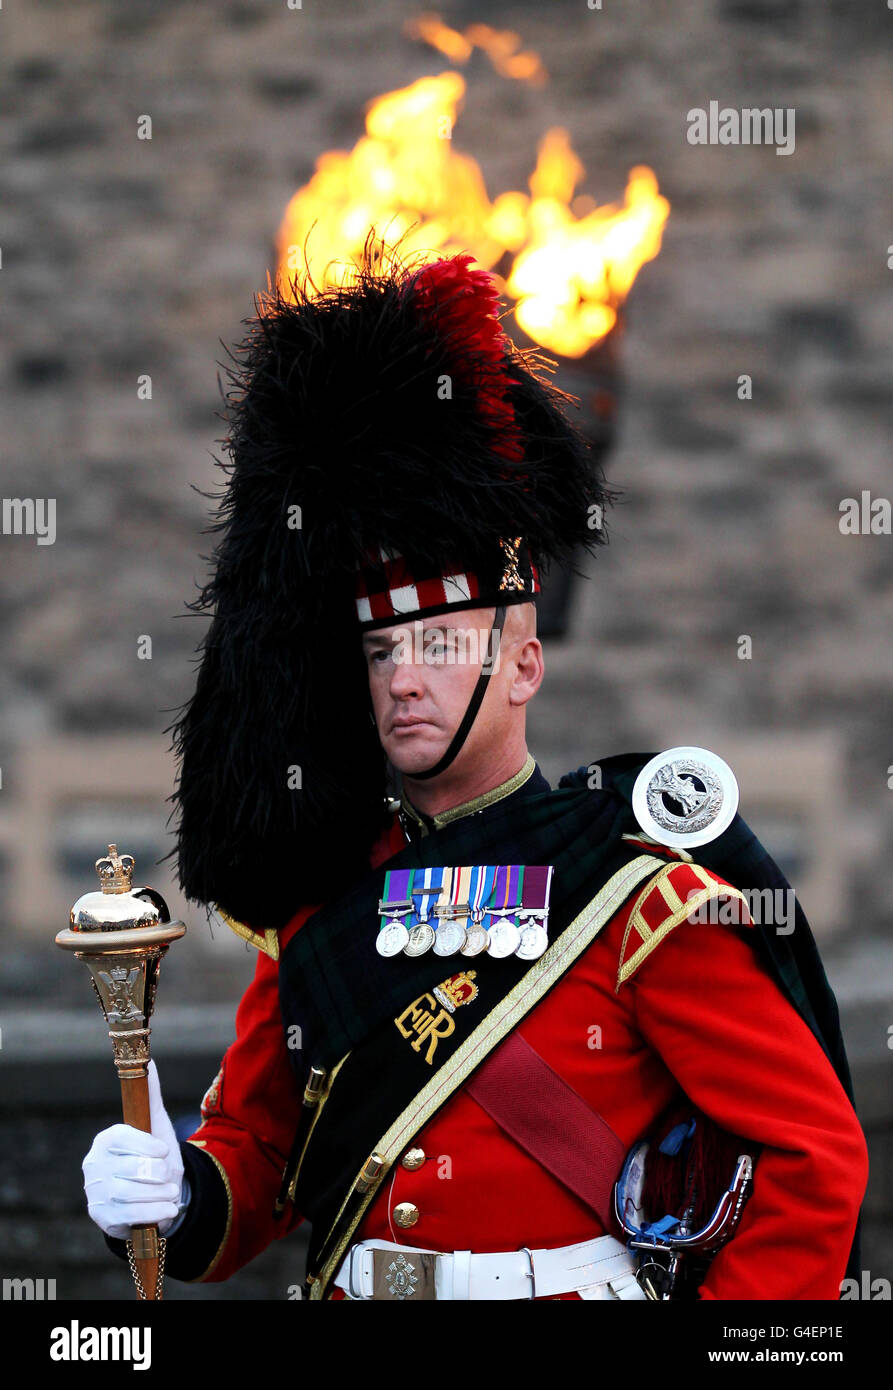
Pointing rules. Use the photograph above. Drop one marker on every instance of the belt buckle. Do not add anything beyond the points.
(403, 1275)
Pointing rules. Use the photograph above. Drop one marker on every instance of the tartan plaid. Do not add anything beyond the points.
(794, 960)
(338, 989)
(332, 976)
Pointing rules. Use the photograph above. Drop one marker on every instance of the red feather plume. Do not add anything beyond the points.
(465, 304)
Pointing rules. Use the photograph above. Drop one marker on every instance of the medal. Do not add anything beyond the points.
(421, 939)
(505, 901)
(469, 910)
(534, 940)
(452, 911)
(504, 938)
(476, 936)
(449, 938)
(421, 936)
(393, 907)
(534, 913)
(477, 939)
(392, 939)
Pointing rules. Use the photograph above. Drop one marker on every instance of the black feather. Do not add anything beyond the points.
(333, 407)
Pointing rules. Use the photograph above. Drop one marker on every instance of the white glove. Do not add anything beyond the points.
(135, 1179)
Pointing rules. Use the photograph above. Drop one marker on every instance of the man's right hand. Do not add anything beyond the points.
(135, 1179)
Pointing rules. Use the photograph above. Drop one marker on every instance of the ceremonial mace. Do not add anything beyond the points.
(121, 935)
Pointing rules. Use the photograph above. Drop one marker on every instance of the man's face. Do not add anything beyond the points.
(421, 676)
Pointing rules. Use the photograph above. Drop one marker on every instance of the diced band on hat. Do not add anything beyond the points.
(387, 590)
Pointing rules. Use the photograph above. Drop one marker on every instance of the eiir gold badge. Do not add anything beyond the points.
(420, 1022)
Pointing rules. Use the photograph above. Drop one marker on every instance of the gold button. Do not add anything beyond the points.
(413, 1159)
(406, 1214)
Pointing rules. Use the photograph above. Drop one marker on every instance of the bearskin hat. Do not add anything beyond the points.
(391, 412)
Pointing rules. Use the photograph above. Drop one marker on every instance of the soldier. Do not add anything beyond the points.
(474, 995)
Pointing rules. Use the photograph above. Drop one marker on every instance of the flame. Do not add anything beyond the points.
(568, 263)
(430, 28)
(574, 272)
(500, 45)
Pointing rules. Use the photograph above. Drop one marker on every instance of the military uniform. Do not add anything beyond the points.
(396, 458)
(696, 1011)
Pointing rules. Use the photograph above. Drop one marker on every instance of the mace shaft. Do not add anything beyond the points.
(121, 936)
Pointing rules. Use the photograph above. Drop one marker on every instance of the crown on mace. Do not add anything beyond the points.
(115, 871)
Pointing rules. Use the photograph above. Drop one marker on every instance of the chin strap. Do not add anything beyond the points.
(474, 703)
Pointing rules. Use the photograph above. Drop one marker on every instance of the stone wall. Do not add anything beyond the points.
(122, 257)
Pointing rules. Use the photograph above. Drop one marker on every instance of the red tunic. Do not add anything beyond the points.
(700, 1013)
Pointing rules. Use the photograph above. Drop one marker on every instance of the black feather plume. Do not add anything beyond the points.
(342, 435)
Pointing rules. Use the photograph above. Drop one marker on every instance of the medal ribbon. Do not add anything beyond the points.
(482, 879)
(431, 881)
(446, 891)
(460, 888)
(506, 897)
(505, 889)
(396, 890)
(536, 889)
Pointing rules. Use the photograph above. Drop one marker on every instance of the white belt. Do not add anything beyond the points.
(596, 1269)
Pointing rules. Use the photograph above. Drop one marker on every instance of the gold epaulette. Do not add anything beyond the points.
(674, 893)
(266, 941)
